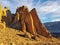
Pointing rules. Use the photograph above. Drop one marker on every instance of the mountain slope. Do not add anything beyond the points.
(53, 26)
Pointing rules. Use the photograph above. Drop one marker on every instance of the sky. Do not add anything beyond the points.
(47, 10)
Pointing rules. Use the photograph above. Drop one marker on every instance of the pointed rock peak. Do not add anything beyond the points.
(33, 10)
(23, 9)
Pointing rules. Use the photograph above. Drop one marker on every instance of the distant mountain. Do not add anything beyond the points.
(53, 27)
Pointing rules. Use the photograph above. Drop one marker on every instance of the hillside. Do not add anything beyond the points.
(10, 36)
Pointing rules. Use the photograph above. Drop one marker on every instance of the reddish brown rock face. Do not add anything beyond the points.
(26, 20)
(31, 22)
(40, 28)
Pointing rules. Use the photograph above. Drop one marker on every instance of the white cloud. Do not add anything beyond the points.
(18, 3)
(5, 3)
(49, 7)
(55, 16)
(55, 20)
(28, 3)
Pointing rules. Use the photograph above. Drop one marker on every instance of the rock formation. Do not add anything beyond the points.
(30, 22)
(25, 20)
(40, 28)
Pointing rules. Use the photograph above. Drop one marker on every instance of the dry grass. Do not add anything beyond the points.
(9, 37)
(2, 25)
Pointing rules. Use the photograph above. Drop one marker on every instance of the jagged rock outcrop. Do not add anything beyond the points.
(15, 21)
(7, 16)
(30, 22)
(25, 20)
(40, 28)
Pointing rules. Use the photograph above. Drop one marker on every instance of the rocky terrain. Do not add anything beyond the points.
(23, 28)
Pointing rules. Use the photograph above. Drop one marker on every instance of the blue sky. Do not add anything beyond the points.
(48, 10)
